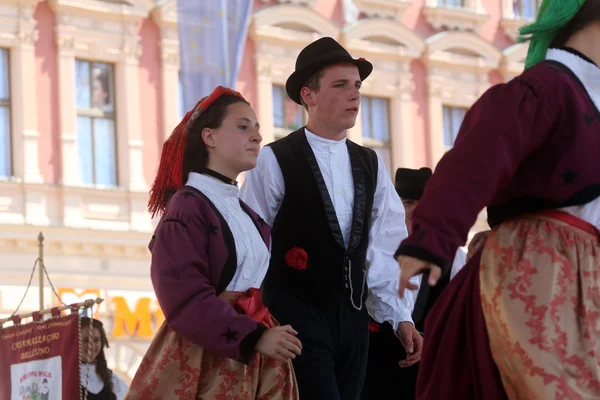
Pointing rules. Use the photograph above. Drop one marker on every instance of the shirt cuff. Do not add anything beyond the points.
(401, 317)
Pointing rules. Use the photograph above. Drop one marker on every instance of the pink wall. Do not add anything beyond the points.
(47, 94)
(151, 89)
(151, 94)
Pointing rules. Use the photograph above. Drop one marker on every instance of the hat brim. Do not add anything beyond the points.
(296, 81)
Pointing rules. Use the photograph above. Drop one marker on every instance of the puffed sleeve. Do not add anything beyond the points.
(506, 124)
(180, 274)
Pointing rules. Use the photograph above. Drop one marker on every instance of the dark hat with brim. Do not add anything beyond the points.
(410, 183)
(318, 55)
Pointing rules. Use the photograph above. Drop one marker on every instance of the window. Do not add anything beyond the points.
(376, 127)
(5, 123)
(453, 118)
(451, 3)
(96, 123)
(287, 115)
(525, 8)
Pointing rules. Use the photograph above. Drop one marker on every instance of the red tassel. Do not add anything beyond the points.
(170, 170)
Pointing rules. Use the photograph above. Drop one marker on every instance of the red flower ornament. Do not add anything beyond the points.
(296, 258)
(373, 326)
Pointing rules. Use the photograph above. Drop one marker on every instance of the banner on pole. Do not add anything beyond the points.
(40, 360)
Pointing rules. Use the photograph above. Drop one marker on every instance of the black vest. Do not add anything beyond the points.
(306, 219)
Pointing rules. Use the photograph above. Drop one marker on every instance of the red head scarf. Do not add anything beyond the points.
(170, 170)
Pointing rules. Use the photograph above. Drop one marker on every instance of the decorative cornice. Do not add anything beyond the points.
(513, 61)
(306, 3)
(455, 19)
(17, 24)
(99, 29)
(384, 9)
(28, 38)
(135, 11)
(511, 27)
(461, 51)
(170, 55)
(114, 211)
(365, 37)
(269, 25)
(165, 14)
(75, 242)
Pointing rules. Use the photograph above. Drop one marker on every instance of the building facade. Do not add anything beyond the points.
(89, 92)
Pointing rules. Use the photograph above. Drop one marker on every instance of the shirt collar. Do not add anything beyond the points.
(587, 72)
(321, 144)
(209, 185)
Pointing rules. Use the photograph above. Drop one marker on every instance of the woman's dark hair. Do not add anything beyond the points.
(589, 12)
(195, 157)
(101, 367)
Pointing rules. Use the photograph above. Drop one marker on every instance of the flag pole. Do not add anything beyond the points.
(41, 270)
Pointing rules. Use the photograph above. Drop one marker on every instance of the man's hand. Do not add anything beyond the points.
(410, 267)
(477, 243)
(412, 341)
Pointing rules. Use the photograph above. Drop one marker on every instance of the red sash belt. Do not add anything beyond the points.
(250, 303)
(571, 220)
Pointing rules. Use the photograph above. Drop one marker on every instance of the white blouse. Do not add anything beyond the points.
(251, 252)
(460, 259)
(95, 384)
(589, 75)
(264, 190)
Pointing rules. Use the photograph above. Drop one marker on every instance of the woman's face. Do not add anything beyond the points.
(233, 148)
(95, 340)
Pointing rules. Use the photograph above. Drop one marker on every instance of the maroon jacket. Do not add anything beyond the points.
(193, 260)
(528, 145)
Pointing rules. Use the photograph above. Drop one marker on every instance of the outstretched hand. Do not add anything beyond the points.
(412, 341)
(410, 267)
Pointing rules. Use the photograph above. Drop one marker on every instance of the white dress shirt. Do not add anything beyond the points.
(264, 189)
(251, 252)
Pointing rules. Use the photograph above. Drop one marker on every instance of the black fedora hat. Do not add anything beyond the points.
(410, 183)
(316, 56)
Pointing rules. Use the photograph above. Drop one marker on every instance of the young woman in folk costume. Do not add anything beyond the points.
(520, 321)
(210, 253)
(101, 382)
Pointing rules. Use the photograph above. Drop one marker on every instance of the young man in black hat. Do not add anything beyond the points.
(337, 222)
(386, 377)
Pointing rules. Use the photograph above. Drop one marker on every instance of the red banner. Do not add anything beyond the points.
(40, 361)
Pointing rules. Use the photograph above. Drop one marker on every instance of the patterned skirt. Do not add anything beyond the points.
(175, 368)
(522, 320)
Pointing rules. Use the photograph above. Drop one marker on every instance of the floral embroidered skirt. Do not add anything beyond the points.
(522, 321)
(175, 368)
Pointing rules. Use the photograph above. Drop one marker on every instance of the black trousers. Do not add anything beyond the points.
(384, 378)
(335, 339)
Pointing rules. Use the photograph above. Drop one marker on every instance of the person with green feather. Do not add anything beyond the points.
(520, 320)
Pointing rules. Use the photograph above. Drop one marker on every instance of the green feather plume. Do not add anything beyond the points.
(552, 15)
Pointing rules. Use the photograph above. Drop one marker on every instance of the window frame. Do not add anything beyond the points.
(370, 141)
(94, 114)
(520, 6)
(8, 104)
(280, 131)
(452, 108)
